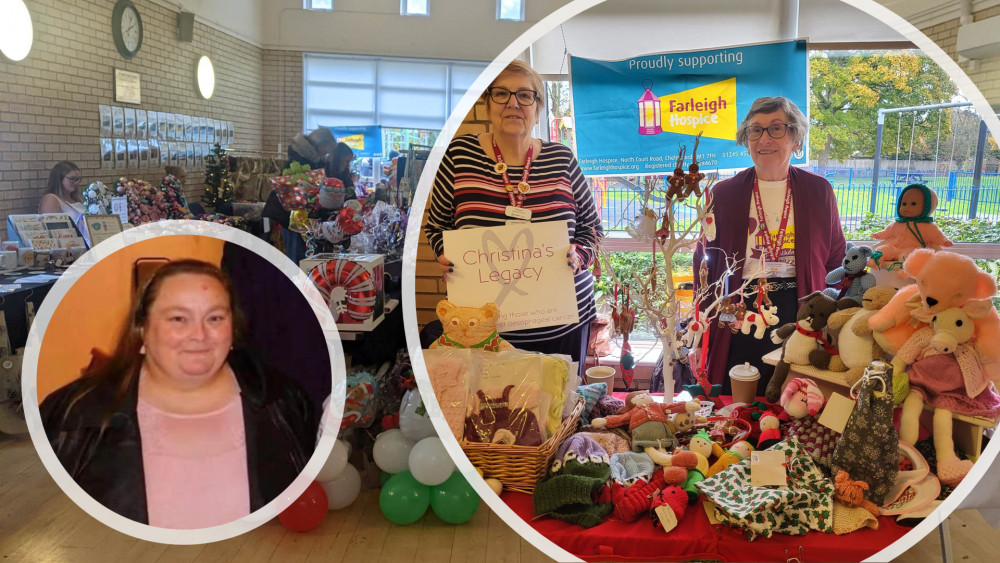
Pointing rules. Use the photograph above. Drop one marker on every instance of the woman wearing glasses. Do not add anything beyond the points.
(780, 223)
(63, 191)
(507, 175)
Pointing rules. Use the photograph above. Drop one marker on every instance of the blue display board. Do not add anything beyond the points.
(633, 115)
(365, 140)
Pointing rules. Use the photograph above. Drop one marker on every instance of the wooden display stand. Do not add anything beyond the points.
(967, 430)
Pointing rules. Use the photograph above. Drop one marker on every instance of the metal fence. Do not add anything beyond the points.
(620, 199)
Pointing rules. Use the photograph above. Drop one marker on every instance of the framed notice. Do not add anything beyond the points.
(520, 267)
(102, 227)
(127, 87)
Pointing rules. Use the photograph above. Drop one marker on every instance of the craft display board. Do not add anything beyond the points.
(48, 231)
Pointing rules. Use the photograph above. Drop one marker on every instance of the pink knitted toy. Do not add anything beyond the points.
(946, 373)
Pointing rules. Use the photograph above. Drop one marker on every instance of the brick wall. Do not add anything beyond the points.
(428, 286)
(986, 72)
(282, 89)
(49, 101)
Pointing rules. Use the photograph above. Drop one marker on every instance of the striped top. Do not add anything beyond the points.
(468, 193)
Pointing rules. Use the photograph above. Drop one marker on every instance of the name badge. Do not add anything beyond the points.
(518, 213)
(517, 222)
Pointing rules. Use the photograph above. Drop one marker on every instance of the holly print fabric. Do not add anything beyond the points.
(806, 503)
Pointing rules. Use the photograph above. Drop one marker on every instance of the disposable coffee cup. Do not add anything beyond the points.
(598, 374)
(744, 380)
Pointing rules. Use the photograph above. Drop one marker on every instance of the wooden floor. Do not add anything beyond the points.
(39, 523)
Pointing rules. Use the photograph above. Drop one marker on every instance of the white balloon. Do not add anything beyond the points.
(430, 463)
(343, 490)
(392, 451)
(335, 463)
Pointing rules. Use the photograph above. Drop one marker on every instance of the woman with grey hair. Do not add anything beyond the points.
(781, 225)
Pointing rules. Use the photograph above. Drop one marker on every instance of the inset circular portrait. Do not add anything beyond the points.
(182, 382)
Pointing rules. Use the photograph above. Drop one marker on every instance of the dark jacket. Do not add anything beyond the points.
(280, 422)
(819, 242)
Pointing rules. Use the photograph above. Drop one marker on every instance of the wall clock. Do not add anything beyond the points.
(126, 28)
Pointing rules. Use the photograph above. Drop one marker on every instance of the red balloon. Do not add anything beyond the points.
(308, 511)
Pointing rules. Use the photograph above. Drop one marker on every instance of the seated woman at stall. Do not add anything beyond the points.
(63, 193)
(182, 427)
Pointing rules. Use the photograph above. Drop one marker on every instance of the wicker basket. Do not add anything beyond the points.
(520, 467)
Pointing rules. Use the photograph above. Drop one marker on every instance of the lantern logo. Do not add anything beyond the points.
(649, 111)
(710, 108)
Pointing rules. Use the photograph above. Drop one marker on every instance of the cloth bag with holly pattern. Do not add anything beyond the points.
(805, 504)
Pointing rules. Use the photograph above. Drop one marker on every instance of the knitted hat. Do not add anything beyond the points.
(635, 501)
(629, 467)
(591, 393)
(578, 472)
(674, 498)
(608, 405)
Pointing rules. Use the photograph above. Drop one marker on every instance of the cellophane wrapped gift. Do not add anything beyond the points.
(383, 231)
(298, 192)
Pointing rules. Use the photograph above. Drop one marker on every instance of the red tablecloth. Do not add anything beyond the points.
(696, 538)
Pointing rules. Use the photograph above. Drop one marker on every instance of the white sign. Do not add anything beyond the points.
(522, 268)
(119, 207)
(127, 87)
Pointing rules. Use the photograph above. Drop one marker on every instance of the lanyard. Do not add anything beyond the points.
(522, 187)
(773, 245)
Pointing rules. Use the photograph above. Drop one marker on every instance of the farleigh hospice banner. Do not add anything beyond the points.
(632, 116)
(520, 267)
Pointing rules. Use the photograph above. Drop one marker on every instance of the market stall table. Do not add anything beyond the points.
(13, 300)
(695, 537)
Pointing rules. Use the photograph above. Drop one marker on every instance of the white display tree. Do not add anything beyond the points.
(673, 218)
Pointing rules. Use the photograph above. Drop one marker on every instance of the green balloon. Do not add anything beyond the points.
(383, 478)
(403, 499)
(454, 501)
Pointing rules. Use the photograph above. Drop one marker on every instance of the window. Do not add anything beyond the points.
(392, 92)
(414, 7)
(318, 4)
(510, 10)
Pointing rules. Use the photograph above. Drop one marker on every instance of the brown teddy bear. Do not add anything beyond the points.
(801, 337)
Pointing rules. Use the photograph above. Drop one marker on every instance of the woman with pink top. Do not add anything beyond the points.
(181, 427)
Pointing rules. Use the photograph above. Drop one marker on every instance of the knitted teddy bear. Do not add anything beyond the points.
(470, 327)
(855, 342)
(945, 372)
(828, 357)
(852, 279)
(914, 227)
(800, 338)
(943, 280)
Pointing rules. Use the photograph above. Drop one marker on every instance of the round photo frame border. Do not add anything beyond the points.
(329, 423)
(414, 234)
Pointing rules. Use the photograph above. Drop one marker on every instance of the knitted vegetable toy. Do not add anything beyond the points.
(852, 279)
(470, 327)
(946, 373)
(914, 227)
(735, 454)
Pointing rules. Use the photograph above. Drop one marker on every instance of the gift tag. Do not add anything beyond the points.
(518, 213)
(712, 511)
(267, 225)
(836, 412)
(666, 516)
(767, 468)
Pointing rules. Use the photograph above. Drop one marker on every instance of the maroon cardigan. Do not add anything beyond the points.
(819, 242)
